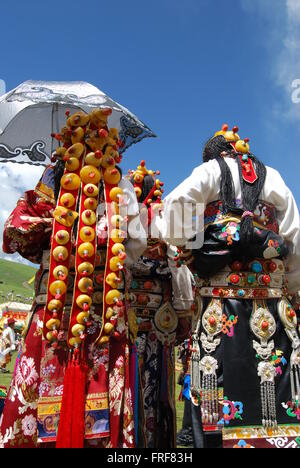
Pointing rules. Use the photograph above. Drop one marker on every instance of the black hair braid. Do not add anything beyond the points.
(148, 184)
(250, 198)
(58, 173)
(212, 150)
(250, 192)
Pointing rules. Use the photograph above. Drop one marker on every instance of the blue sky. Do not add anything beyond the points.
(184, 67)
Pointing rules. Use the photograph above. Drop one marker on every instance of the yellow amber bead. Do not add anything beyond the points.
(77, 135)
(117, 235)
(112, 280)
(72, 164)
(49, 336)
(117, 247)
(77, 329)
(70, 181)
(82, 317)
(242, 147)
(75, 341)
(60, 253)
(79, 118)
(93, 160)
(115, 193)
(88, 217)
(82, 300)
(60, 272)
(90, 175)
(103, 340)
(75, 151)
(85, 267)
(53, 324)
(108, 328)
(67, 200)
(90, 203)
(57, 287)
(84, 284)
(86, 250)
(112, 296)
(91, 190)
(112, 176)
(54, 304)
(115, 264)
(87, 234)
(138, 191)
(109, 313)
(62, 237)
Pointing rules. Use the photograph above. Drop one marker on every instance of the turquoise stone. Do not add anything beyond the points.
(245, 158)
(241, 293)
(251, 279)
(256, 267)
(134, 284)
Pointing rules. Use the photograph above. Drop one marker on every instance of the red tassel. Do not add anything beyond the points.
(78, 416)
(71, 427)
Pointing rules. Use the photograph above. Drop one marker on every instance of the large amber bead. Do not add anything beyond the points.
(54, 305)
(62, 237)
(87, 234)
(70, 181)
(88, 217)
(84, 284)
(93, 159)
(72, 164)
(91, 190)
(53, 324)
(112, 176)
(112, 296)
(117, 235)
(57, 287)
(60, 253)
(83, 301)
(90, 175)
(60, 272)
(77, 329)
(116, 248)
(75, 151)
(90, 203)
(115, 194)
(85, 267)
(67, 200)
(86, 250)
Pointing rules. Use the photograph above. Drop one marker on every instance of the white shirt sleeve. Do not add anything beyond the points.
(183, 209)
(277, 193)
(182, 283)
(136, 242)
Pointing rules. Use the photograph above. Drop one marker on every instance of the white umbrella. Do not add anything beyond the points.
(35, 109)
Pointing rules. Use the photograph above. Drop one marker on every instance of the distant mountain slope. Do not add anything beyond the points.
(13, 277)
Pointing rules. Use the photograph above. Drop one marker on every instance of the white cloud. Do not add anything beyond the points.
(281, 19)
(15, 179)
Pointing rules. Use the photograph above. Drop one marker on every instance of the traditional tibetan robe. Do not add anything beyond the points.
(161, 296)
(32, 406)
(245, 351)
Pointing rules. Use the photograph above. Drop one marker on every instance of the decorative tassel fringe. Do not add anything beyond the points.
(71, 427)
(209, 399)
(295, 384)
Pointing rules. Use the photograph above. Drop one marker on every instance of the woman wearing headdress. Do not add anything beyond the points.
(71, 385)
(245, 256)
(161, 297)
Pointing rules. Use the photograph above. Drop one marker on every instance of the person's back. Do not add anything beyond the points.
(247, 267)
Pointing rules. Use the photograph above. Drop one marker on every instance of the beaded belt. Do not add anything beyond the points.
(242, 293)
(259, 274)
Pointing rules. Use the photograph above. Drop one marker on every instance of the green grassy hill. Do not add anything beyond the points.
(14, 278)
